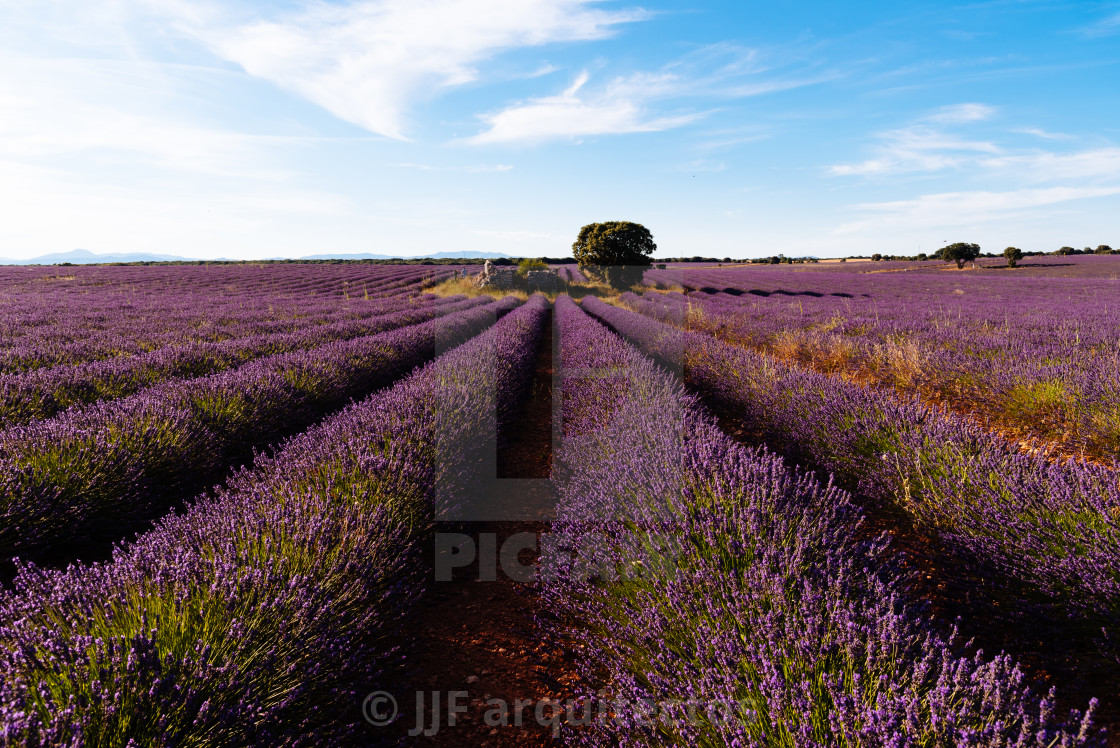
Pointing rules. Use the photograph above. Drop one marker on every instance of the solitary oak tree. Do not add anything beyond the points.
(960, 253)
(616, 251)
(1013, 255)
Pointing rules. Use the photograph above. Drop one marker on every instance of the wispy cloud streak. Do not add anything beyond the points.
(368, 62)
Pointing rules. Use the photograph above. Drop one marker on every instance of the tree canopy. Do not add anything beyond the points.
(619, 249)
(529, 264)
(959, 252)
(614, 243)
(1013, 255)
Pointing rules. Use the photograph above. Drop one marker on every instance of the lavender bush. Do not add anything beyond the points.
(1038, 358)
(266, 612)
(42, 393)
(771, 606)
(115, 462)
(1050, 527)
(52, 317)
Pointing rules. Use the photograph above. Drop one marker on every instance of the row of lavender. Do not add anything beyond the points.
(1039, 539)
(1041, 357)
(132, 332)
(97, 470)
(41, 393)
(229, 280)
(730, 602)
(571, 274)
(1048, 266)
(51, 298)
(45, 324)
(264, 614)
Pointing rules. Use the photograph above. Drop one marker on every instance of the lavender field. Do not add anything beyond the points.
(743, 506)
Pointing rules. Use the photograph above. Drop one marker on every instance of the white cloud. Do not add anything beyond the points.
(625, 104)
(543, 70)
(959, 113)
(957, 209)
(722, 140)
(1044, 134)
(615, 110)
(112, 152)
(924, 146)
(702, 165)
(917, 148)
(1098, 164)
(1105, 27)
(730, 71)
(368, 61)
(123, 112)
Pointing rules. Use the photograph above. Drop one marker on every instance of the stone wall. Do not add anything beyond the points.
(542, 280)
(507, 279)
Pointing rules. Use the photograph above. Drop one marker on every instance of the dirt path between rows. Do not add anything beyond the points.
(482, 637)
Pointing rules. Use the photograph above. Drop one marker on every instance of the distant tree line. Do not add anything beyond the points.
(697, 258)
(780, 259)
(1102, 249)
(962, 252)
(390, 261)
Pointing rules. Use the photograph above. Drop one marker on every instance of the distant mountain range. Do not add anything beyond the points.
(85, 257)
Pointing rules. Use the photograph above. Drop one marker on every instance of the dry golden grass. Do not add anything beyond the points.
(697, 319)
(903, 361)
(1041, 417)
(787, 344)
(467, 287)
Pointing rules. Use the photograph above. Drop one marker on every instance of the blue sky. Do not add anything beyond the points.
(268, 129)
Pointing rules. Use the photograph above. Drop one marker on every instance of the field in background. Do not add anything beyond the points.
(826, 504)
(1048, 266)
